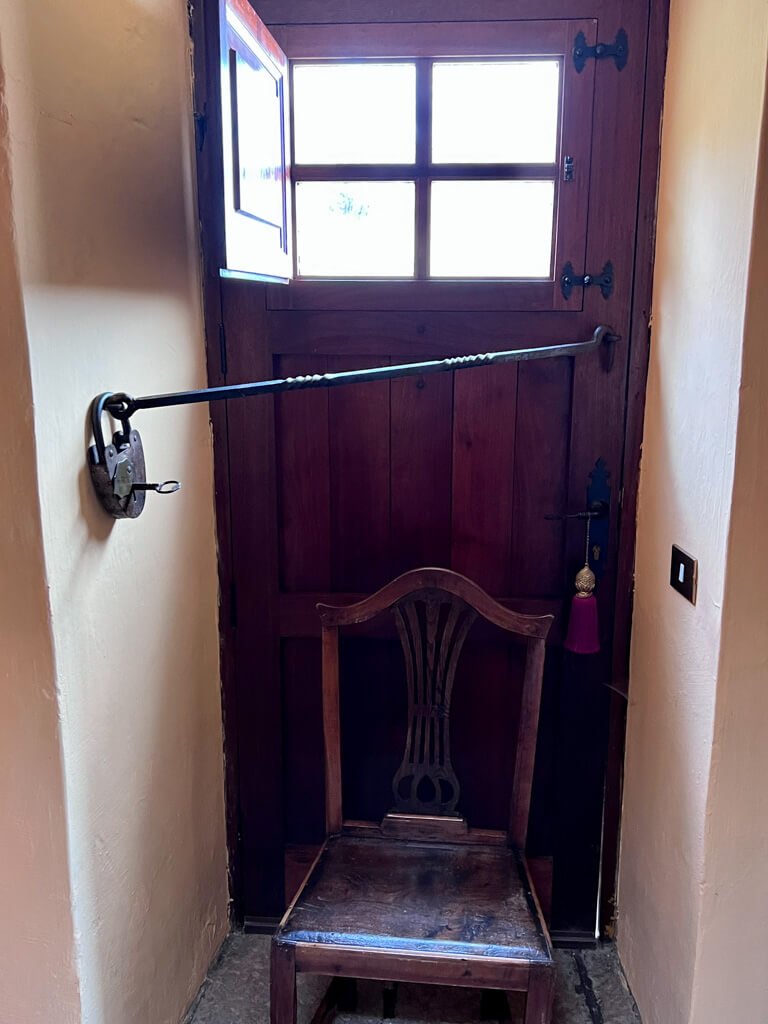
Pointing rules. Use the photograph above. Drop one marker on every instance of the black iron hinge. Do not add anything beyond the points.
(223, 350)
(570, 280)
(618, 50)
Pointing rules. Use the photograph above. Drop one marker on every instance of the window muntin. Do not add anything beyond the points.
(431, 131)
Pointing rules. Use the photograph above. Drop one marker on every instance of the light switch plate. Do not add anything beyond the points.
(684, 573)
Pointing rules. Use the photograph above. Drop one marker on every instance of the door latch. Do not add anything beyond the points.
(570, 280)
(618, 50)
(597, 514)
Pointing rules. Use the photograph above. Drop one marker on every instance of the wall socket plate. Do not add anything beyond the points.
(684, 574)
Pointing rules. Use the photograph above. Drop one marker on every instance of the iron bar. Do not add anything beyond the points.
(123, 406)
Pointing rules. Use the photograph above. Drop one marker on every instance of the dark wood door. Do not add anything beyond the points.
(325, 495)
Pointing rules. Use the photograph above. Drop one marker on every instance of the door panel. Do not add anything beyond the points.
(334, 492)
(484, 421)
(420, 443)
(359, 471)
(541, 476)
(304, 487)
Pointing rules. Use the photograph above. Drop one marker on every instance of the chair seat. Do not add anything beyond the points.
(388, 895)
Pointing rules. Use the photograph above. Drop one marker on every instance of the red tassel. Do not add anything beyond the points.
(583, 635)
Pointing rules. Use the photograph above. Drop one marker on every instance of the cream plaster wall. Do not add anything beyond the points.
(38, 981)
(674, 840)
(731, 976)
(100, 115)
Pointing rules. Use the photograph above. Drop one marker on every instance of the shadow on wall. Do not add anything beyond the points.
(106, 180)
(37, 979)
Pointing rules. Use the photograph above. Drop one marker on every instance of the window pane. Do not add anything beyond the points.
(491, 228)
(354, 113)
(355, 228)
(495, 112)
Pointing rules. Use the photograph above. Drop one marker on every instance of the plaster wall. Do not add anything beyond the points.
(99, 107)
(38, 981)
(730, 968)
(710, 148)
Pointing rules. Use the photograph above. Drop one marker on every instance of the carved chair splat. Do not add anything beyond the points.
(422, 897)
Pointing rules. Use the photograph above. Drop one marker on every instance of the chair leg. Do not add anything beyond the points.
(541, 991)
(282, 985)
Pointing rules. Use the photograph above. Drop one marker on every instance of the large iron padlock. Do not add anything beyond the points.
(118, 471)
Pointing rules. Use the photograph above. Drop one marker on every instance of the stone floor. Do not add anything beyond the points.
(590, 990)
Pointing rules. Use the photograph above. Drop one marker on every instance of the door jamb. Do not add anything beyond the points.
(637, 374)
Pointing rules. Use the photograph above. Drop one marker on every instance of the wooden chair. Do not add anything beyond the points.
(422, 897)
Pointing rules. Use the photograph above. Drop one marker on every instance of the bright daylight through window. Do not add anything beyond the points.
(440, 169)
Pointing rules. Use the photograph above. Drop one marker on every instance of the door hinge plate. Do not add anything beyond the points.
(570, 280)
(618, 50)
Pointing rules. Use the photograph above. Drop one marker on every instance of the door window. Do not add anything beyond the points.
(423, 166)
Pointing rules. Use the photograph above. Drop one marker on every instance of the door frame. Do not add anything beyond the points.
(204, 31)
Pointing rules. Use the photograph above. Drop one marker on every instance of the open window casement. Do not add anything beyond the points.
(256, 147)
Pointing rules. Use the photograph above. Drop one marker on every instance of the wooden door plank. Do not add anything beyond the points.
(541, 477)
(485, 403)
(303, 481)
(359, 418)
(305, 528)
(299, 12)
(421, 472)
(303, 743)
(486, 704)
(256, 642)
(418, 334)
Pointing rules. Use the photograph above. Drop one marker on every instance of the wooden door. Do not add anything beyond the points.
(327, 495)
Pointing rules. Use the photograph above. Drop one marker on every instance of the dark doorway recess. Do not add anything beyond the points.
(325, 495)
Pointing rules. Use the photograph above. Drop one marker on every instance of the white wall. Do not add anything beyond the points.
(100, 117)
(710, 146)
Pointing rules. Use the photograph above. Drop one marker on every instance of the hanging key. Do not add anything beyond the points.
(166, 487)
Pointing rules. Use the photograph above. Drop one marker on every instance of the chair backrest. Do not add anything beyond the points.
(434, 610)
